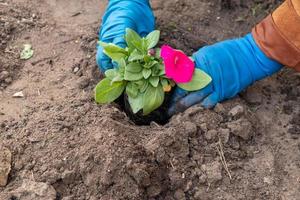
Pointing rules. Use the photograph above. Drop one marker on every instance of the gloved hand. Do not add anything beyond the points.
(233, 66)
(119, 15)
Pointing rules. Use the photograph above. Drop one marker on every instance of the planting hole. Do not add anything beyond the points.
(159, 116)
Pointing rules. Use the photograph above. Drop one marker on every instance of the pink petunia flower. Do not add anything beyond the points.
(178, 66)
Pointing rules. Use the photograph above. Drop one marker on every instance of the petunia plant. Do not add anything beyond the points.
(145, 73)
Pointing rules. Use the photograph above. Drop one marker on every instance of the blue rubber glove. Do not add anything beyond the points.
(119, 15)
(233, 65)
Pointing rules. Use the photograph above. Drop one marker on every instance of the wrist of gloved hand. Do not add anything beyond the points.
(119, 15)
(233, 66)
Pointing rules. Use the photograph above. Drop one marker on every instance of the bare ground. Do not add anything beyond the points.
(64, 146)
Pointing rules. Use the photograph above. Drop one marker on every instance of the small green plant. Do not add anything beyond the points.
(145, 73)
(27, 52)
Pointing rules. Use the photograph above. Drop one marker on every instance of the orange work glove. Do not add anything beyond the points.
(278, 35)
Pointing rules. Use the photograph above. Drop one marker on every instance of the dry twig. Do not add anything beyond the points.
(222, 156)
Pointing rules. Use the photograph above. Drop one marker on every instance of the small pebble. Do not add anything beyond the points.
(219, 108)
(224, 134)
(268, 180)
(236, 111)
(76, 69)
(18, 94)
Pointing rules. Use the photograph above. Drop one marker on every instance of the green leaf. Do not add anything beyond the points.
(136, 103)
(112, 47)
(161, 72)
(158, 70)
(144, 87)
(107, 92)
(150, 64)
(153, 99)
(121, 66)
(157, 53)
(146, 73)
(152, 39)
(144, 46)
(131, 90)
(121, 63)
(200, 80)
(111, 74)
(117, 78)
(130, 76)
(135, 55)
(147, 59)
(140, 83)
(114, 56)
(133, 40)
(134, 67)
(154, 80)
(27, 52)
(113, 51)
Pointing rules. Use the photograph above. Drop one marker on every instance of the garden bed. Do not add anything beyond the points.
(65, 146)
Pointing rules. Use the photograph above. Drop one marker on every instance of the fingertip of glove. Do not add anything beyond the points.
(194, 98)
(104, 64)
(120, 41)
(210, 101)
(171, 111)
(178, 94)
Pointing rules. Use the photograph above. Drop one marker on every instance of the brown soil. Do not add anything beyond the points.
(64, 146)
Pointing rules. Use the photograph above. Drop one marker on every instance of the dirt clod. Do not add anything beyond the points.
(153, 191)
(211, 135)
(236, 111)
(31, 190)
(253, 95)
(213, 171)
(5, 165)
(179, 195)
(190, 128)
(242, 128)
